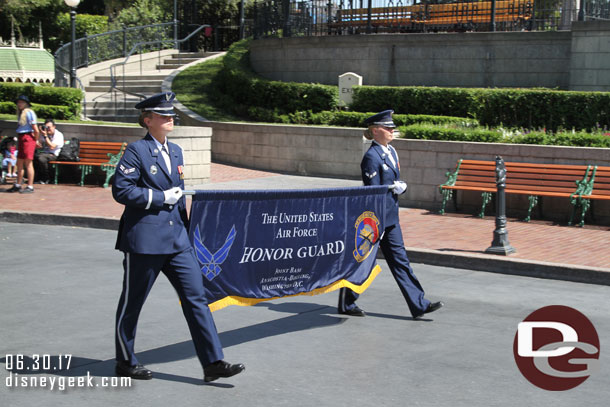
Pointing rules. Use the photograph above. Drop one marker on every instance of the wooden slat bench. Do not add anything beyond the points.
(105, 155)
(534, 180)
(597, 188)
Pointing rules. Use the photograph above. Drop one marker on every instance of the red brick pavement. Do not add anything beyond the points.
(540, 241)
(537, 240)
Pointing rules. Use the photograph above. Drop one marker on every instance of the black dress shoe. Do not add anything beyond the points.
(221, 368)
(354, 312)
(433, 306)
(135, 372)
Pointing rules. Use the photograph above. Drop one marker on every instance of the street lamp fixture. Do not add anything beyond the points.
(72, 4)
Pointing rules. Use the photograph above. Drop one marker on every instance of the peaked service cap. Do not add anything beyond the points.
(381, 119)
(161, 103)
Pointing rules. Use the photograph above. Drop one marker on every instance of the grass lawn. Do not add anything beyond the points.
(194, 89)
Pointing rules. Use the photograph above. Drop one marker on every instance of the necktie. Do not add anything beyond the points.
(168, 162)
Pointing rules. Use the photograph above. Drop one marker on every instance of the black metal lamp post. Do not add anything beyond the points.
(500, 244)
(176, 24)
(242, 28)
(72, 4)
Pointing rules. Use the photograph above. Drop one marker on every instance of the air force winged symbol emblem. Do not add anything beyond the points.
(210, 263)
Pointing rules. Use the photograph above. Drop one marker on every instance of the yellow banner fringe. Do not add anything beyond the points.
(245, 302)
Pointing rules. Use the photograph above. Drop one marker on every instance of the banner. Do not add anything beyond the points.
(256, 246)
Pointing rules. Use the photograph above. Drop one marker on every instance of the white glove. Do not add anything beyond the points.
(172, 195)
(399, 187)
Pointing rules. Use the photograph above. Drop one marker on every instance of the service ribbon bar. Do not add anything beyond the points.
(257, 246)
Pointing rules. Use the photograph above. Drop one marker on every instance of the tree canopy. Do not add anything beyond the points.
(95, 16)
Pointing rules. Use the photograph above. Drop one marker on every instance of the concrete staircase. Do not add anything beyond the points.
(116, 106)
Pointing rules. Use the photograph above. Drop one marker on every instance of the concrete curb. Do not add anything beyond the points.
(41, 218)
(512, 266)
(478, 262)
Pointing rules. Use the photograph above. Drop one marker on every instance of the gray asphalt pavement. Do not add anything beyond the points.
(59, 287)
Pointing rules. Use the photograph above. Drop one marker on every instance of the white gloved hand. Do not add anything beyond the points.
(172, 195)
(399, 187)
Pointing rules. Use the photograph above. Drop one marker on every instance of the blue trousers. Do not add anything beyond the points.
(182, 270)
(393, 248)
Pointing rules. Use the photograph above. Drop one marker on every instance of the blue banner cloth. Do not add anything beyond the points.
(256, 246)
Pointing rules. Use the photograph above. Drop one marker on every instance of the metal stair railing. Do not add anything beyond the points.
(92, 49)
(115, 89)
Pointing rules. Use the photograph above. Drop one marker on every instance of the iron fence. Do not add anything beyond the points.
(110, 45)
(287, 18)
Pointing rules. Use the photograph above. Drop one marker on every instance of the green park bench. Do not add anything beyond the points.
(596, 188)
(533, 180)
(105, 155)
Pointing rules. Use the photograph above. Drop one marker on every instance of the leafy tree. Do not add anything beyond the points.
(27, 15)
(85, 24)
(142, 12)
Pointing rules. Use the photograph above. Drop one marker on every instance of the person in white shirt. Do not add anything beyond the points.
(50, 143)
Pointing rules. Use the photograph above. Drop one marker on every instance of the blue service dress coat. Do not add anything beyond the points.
(153, 235)
(377, 169)
(148, 226)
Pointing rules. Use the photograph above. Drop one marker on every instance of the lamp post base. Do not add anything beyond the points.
(503, 250)
(500, 245)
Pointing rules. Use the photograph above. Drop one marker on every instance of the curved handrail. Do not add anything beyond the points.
(65, 48)
(113, 68)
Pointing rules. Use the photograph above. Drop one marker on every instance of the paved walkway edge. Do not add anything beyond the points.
(42, 218)
(513, 266)
(493, 264)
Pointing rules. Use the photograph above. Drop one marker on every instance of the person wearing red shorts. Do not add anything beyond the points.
(27, 130)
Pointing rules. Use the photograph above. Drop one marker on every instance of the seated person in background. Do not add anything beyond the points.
(10, 158)
(50, 143)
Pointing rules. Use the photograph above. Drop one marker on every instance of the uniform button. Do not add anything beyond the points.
(171, 207)
(171, 222)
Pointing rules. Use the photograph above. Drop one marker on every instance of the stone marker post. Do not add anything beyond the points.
(346, 82)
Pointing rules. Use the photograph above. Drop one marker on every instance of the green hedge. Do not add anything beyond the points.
(413, 100)
(65, 102)
(42, 111)
(526, 108)
(251, 96)
(434, 132)
(356, 119)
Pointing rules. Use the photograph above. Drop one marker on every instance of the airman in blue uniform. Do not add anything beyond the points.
(380, 166)
(153, 235)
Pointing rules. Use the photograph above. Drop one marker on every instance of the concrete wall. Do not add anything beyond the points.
(337, 152)
(514, 59)
(195, 142)
(574, 60)
(305, 150)
(590, 62)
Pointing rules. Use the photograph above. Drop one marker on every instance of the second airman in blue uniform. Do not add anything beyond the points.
(380, 166)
